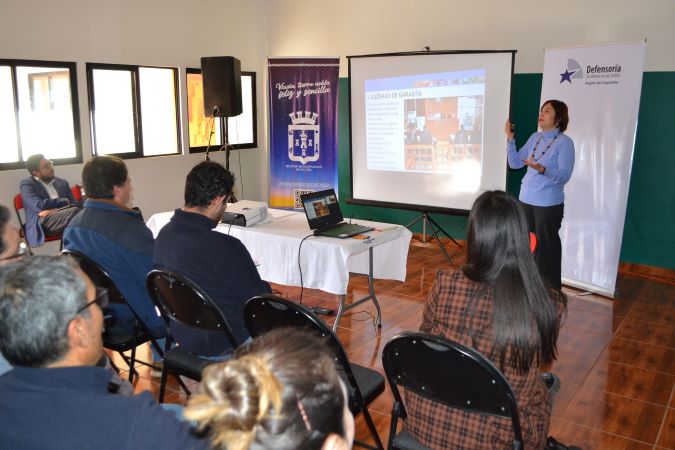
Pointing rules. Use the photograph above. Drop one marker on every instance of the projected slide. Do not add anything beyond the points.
(427, 129)
(425, 123)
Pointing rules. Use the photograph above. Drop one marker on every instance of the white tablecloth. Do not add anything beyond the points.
(326, 262)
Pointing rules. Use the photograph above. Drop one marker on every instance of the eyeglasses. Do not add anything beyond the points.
(22, 250)
(101, 300)
(46, 165)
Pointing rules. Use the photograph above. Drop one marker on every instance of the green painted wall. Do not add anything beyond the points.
(649, 232)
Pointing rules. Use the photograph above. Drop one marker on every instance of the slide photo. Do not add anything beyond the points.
(426, 123)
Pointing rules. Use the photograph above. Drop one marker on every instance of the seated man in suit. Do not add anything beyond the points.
(45, 200)
(115, 236)
(216, 262)
(55, 397)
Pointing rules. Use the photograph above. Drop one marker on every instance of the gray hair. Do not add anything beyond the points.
(39, 296)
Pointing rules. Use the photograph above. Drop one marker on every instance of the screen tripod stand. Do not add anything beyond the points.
(427, 221)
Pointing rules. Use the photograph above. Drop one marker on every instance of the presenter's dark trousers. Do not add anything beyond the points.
(545, 221)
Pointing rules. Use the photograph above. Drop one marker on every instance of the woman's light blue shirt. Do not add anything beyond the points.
(545, 189)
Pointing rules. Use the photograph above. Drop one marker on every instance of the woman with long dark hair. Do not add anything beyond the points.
(549, 157)
(497, 304)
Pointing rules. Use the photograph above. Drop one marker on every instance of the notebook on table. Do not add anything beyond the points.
(325, 217)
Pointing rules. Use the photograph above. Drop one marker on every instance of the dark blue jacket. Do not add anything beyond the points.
(36, 199)
(118, 240)
(71, 408)
(220, 265)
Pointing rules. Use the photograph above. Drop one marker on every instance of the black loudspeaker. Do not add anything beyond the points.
(221, 76)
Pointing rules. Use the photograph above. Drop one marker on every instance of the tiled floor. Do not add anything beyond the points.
(616, 358)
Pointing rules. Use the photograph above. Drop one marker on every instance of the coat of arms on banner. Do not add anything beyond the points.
(303, 137)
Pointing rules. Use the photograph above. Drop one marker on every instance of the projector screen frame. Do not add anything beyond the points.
(408, 206)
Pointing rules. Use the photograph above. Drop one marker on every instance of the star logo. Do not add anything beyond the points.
(572, 71)
(567, 76)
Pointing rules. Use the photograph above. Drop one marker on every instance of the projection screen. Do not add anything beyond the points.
(427, 129)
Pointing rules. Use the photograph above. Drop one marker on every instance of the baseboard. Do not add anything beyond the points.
(656, 273)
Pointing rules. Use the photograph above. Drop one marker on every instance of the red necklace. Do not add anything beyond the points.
(545, 150)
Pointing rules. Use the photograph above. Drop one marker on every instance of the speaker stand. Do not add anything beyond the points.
(228, 149)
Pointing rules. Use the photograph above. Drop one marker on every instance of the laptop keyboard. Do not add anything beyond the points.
(345, 230)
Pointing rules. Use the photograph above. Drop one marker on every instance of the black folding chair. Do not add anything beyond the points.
(448, 373)
(266, 312)
(117, 340)
(180, 301)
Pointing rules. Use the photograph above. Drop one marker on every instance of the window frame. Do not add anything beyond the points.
(75, 109)
(137, 108)
(224, 122)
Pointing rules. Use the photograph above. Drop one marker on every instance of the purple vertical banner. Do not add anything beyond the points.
(303, 128)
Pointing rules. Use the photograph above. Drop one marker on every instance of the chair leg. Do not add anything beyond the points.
(182, 385)
(371, 427)
(114, 366)
(156, 346)
(393, 424)
(132, 369)
(162, 385)
(132, 364)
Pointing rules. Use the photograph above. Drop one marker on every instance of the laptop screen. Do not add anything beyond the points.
(321, 208)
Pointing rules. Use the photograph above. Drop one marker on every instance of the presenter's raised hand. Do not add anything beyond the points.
(508, 130)
(535, 165)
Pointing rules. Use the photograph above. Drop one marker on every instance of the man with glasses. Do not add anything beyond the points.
(47, 200)
(55, 396)
(12, 247)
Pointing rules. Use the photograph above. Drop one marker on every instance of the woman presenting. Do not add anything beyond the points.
(549, 155)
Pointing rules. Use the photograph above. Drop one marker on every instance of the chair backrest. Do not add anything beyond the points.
(266, 312)
(181, 301)
(98, 275)
(533, 242)
(18, 201)
(76, 189)
(449, 373)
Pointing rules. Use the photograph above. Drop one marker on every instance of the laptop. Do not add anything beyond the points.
(325, 218)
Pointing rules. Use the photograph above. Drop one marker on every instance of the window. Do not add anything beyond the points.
(38, 112)
(201, 128)
(241, 131)
(134, 110)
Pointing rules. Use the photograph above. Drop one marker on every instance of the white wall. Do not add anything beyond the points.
(353, 27)
(149, 32)
(178, 32)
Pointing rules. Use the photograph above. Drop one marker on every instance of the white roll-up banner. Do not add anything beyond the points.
(601, 86)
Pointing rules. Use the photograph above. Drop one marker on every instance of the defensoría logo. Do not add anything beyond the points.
(573, 70)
